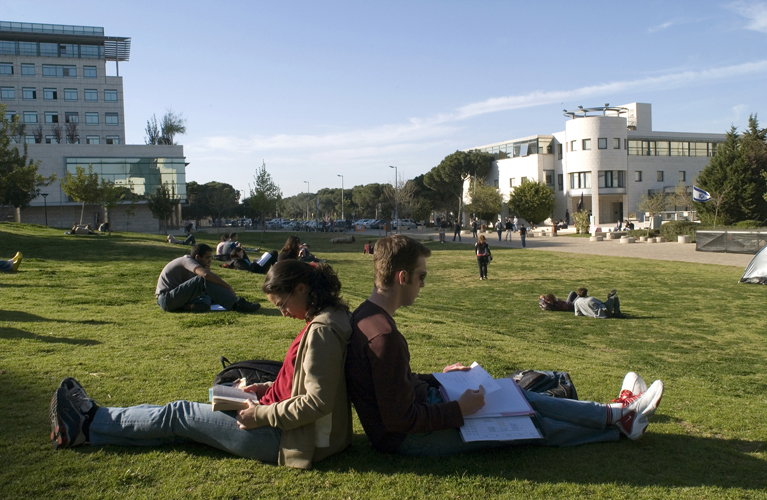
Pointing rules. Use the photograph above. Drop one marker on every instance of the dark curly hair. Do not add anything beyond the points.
(324, 285)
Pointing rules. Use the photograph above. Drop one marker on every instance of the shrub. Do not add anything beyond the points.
(748, 224)
(636, 233)
(670, 230)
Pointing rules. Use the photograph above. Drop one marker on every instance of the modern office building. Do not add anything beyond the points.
(54, 78)
(607, 156)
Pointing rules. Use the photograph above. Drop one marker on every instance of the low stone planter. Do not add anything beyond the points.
(683, 238)
(660, 239)
(642, 239)
(596, 238)
(627, 239)
(650, 240)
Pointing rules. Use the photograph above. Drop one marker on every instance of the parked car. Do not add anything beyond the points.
(404, 224)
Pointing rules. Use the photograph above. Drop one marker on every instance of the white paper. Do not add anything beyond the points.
(499, 429)
(508, 401)
(456, 382)
(264, 259)
(217, 307)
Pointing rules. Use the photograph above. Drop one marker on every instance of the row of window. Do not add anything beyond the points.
(602, 143)
(52, 94)
(52, 117)
(89, 139)
(46, 49)
(671, 148)
(611, 178)
(52, 70)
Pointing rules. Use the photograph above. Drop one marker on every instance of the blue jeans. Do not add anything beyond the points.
(563, 422)
(196, 290)
(183, 422)
(6, 266)
(522, 236)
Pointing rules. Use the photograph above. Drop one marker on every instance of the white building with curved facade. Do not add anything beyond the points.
(608, 156)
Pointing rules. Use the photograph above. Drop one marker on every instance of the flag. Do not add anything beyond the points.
(580, 203)
(700, 195)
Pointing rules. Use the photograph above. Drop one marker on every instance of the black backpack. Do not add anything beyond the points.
(555, 384)
(254, 371)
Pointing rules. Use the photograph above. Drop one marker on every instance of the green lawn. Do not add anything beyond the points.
(83, 306)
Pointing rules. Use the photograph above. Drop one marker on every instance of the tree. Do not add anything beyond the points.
(581, 219)
(222, 198)
(653, 204)
(734, 177)
(73, 137)
(172, 124)
(58, 133)
(152, 131)
(19, 181)
(265, 194)
(532, 201)
(682, 196)
(162, 203)
(37, 132)
(486, 202)
(82, 187)
(448, 177)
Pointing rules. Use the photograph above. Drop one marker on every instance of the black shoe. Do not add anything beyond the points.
(196, 307)
(244, 306)
(612, 293)
(619, 315)
(70, 408)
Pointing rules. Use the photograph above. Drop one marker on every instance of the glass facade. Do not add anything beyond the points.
(141, 175)
(539, 145)
(51, 49)
(671, 148)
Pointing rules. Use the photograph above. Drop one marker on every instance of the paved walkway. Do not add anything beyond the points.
(657, 251)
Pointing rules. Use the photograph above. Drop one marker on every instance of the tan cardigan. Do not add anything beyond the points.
(316, 421)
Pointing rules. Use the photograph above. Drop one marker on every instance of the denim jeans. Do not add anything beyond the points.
(6, 265)
(196, 289)
(563, 422)
(183, 422)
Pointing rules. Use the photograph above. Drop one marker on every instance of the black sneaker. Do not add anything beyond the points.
(69, 407)
(612, 293)
(196, 307)
(244, 306)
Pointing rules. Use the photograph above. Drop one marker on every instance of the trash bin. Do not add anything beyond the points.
(441, 236)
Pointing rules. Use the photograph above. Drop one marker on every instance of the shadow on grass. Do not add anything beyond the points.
(15, 333)
(25, 317)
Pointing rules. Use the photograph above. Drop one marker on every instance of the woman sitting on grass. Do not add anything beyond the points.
(290, 249)
(302, 417)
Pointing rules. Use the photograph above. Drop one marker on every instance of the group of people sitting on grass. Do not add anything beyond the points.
(304, 416)
(582, 305)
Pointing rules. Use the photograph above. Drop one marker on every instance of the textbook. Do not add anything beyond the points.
(224, 398)
(264, 259)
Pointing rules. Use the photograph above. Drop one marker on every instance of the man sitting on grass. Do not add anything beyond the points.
(187, 284)
(11, 265)
(404, 413)
(595, 308)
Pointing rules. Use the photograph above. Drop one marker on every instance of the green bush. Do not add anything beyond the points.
(670, 230)
(636, 233)
(748, 224)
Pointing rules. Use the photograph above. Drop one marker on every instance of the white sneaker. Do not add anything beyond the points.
(634, 420)
(633, 386)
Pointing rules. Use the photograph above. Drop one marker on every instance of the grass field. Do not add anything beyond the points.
(84, 307)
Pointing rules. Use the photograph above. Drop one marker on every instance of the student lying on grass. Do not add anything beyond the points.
(301, 418)
(404, 413)
(11, 265)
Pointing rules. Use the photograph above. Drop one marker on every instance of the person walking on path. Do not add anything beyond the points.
(457, 230)
(474, 225)
(515, 223)
(499, 228)
(482, 249)
(567, 217)
(523, 234)
(509, 229)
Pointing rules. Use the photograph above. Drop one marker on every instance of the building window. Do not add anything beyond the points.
(616, 143)
(72, 117)
(110, 96)
(586, 144)
(27, 49)
(8, 48)
(89, 51)
(111, 119)
(637, 176)
(27, 70)
(69, 140)
(29, 93)
(113, 139)
(580, 180)
(6, 69)
(70, 94)
(572, 146)
(30, 117)
(50, 94)
(511, 182)
(9, 115)
(92, 139)
(91, 94)
(68, 50)
(51, 139)
(91, 118)
(561, 182)
(612, 179)
(51, 117)
(559, 151)
(59, 71)
(29, 139)
(602, 144)
(549, 177)
(7, 93)
(659, 176)
(523, 180)
(49, 49)
(495, 183)
(89, 71)
(682, 176)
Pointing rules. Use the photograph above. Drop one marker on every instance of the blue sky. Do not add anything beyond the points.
(318, 89)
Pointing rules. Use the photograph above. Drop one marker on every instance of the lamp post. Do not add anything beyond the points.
(307, 200)
(45, 203)
(396, 204)
(342, 198)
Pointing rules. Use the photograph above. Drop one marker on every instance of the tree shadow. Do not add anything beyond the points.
(25, 317)
(15, 333)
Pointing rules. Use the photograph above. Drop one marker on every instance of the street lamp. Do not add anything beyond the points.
(396, 204)
(342, 198)
(45, 203)
(307, 200)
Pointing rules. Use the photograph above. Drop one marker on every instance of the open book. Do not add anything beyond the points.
(224, 398)
(264, 259)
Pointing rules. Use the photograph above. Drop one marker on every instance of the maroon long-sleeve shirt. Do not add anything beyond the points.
(390, 400)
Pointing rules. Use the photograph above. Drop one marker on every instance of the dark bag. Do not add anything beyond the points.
(254, 371)
(555, 384)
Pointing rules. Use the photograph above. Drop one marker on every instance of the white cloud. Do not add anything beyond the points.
(755, 12)
(661, 27)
